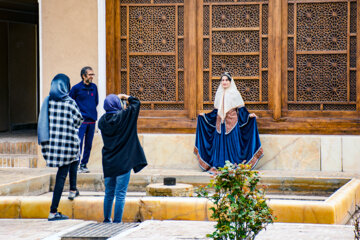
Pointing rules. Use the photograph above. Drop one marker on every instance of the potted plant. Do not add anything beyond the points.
(240, 208)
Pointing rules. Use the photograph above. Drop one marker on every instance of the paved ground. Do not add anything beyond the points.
(33, 229)
(171, 230)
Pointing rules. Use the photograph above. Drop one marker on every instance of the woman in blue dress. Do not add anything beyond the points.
(229, 132)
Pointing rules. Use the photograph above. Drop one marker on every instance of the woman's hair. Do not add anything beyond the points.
(227, 74)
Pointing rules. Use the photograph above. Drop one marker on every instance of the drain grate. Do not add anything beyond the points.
(98, 231)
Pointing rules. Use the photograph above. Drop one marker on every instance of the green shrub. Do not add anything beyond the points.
(357, 223)
(240, 208)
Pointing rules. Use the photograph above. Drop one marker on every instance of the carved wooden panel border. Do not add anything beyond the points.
(321, 67)
(235, 39)
(152, 52)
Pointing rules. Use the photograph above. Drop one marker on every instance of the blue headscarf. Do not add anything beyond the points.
(60, 88)
(59, 91)
(112, 104)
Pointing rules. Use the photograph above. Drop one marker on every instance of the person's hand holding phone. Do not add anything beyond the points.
(123, 96)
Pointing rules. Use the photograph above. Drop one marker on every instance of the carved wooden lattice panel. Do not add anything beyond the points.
(322, 56)
(152, 52)
(235, 40)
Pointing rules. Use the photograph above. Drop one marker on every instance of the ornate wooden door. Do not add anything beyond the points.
(295, 62)
(148, 61)
(321, 64)
(320, 70)
(235, 39)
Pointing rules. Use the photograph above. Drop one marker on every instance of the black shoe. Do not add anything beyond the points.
(107, 220)
(73, 195)
(57, 216)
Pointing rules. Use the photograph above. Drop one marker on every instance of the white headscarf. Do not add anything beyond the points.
(227, 99)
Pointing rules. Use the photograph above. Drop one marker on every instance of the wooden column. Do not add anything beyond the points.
(117, 32)
(275, 52)
(358, 58)
(110, 45)
(284, 57)
(190, 56)
(200, 55)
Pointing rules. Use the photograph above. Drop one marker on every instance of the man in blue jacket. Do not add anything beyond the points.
(86, 97)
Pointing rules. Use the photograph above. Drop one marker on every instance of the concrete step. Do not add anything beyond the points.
(18, 161)
(18, 154)
(18, 148)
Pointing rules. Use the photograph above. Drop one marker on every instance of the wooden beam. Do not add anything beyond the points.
(128, 52)
(200, 56)
(238, 78)
(236, 29)
(358, 58)
(164, 113)
(348, 54)
(110, 45)
(275, 53)
(235, 53)
(177, 53)
(284, 56)
(295, 55)
(321, 52)
(152, 53)
(117, 29)
(320, 114)
(190, 53)
(301, 125)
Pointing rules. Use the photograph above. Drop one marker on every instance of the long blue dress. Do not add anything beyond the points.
(236, 140)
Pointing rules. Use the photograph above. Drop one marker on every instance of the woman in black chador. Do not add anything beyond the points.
(229, 132)
(121, 152)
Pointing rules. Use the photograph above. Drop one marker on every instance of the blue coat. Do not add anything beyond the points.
(87, 98)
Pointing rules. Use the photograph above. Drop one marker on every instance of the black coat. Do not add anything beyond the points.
(122, 150)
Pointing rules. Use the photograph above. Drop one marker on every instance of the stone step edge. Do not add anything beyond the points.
(159, 208)
(19, 162)
(30, 186)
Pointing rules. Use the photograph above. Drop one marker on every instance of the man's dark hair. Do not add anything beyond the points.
(84, 71)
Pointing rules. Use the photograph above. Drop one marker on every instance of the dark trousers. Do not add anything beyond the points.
(86, 135)
(60, 181)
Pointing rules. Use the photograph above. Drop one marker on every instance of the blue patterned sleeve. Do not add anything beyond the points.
(210, 117)
(243, 116)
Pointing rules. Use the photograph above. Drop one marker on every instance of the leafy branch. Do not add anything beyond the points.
(240, 208)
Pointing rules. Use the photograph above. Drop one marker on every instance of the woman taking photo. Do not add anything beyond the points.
(122, 151)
